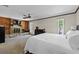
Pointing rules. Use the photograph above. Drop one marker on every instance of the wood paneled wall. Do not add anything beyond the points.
(25, 25)
(6, 23)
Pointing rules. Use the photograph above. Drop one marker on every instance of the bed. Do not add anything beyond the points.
(14, 45)
(48, 43)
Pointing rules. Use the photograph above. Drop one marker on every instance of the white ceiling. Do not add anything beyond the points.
(36, 11)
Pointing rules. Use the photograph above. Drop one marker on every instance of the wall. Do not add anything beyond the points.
(25, 25)
(51, 24)
(6, 23)
(77, 17)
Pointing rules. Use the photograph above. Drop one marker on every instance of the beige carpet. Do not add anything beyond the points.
(13, 48)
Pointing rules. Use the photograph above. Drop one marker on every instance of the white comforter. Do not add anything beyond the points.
(14, 45)
(48, 44)
(71, 33)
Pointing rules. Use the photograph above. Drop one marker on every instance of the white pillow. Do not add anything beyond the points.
(71, 33)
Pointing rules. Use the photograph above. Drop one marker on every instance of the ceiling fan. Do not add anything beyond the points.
(26, 16)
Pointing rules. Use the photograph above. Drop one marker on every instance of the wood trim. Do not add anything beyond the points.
(57, 15)
(77, 9)
(53, 16)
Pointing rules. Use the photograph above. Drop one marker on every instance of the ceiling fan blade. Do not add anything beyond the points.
(5, 5)
(29, 16)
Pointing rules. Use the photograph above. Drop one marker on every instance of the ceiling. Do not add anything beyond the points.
(36, 11)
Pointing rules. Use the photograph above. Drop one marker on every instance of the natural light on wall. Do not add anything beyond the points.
(61, 26)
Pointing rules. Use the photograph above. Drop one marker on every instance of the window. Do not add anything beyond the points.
(61, 26)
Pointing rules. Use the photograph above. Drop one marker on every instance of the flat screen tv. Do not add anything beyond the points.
(2, 34)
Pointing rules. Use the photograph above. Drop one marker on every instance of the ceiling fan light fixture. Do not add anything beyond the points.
(25, 17)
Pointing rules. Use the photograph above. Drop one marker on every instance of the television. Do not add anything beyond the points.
(2, 34)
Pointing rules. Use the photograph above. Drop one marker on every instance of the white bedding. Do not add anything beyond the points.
(14, 45)
(71, 33)
(74, 42)
(48, 44)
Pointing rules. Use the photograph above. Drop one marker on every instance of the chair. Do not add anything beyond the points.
(39, 31)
